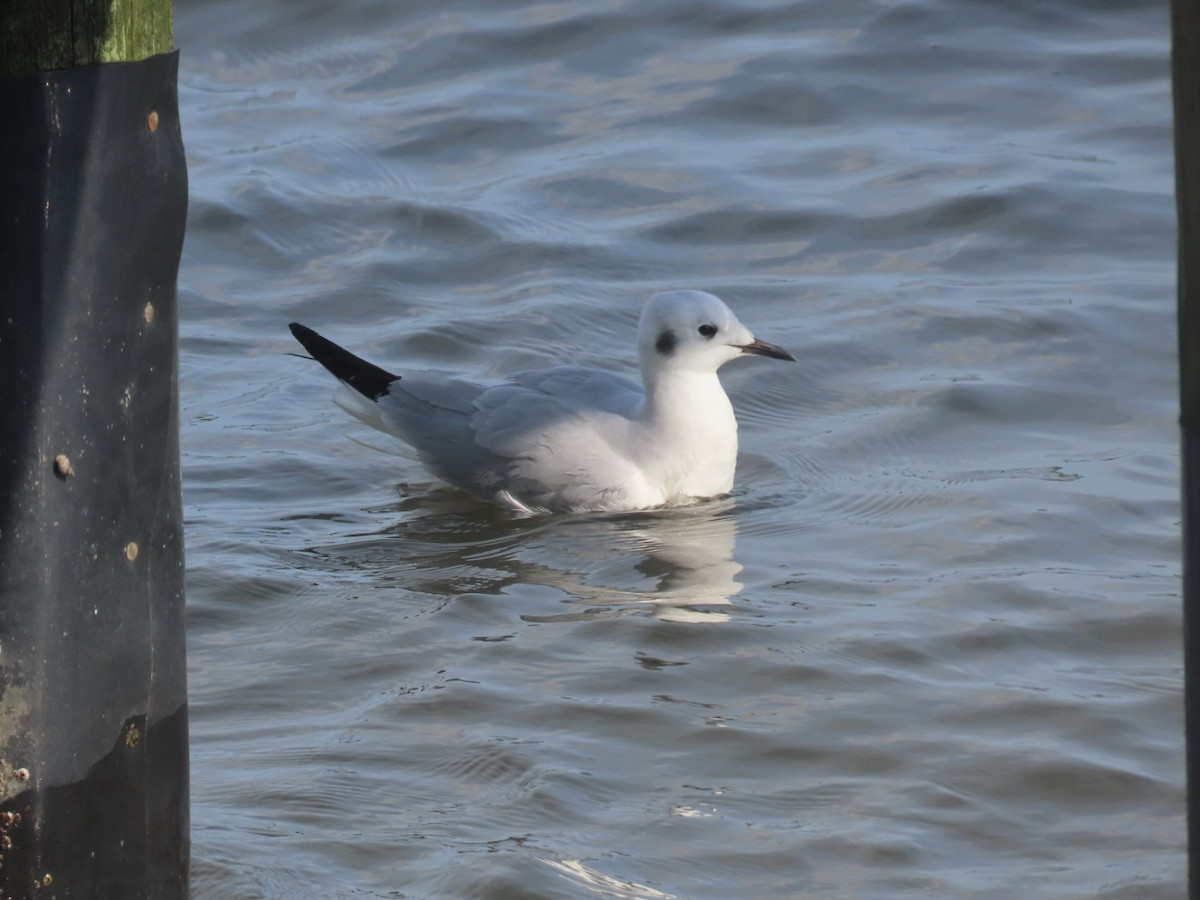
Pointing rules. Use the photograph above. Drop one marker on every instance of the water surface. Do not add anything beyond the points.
(930, 647)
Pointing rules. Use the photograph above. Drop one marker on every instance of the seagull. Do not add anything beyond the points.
(569, 439)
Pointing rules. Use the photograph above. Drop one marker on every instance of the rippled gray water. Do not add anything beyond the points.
(930, 647)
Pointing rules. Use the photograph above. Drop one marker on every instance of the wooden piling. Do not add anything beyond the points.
(45, 35)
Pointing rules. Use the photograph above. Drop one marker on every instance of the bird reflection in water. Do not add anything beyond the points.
(674, 564)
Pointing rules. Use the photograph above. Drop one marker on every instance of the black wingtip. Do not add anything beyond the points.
(366, 378)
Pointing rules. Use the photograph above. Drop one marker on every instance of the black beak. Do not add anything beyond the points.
(762, 348)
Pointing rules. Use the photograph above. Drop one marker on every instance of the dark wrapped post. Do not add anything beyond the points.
(1185, 26)
(93, 707)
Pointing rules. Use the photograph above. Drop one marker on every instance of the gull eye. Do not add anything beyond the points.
(707, 330)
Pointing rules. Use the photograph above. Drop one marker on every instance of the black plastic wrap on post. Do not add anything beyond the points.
(1185, 78)
(93, 703)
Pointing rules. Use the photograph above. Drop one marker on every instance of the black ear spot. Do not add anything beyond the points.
(707, 330)
(666, 342)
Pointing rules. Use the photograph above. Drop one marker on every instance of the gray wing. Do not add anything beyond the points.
(511, 417)
(432, 414)
(470, 435)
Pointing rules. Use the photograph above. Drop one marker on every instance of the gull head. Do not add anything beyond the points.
(692, 331)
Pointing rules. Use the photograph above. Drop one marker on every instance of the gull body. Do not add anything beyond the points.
(572, 438)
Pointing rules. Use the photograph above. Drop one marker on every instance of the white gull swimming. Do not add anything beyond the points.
(571, 438)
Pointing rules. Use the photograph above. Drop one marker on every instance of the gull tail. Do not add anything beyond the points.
(368, 379)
